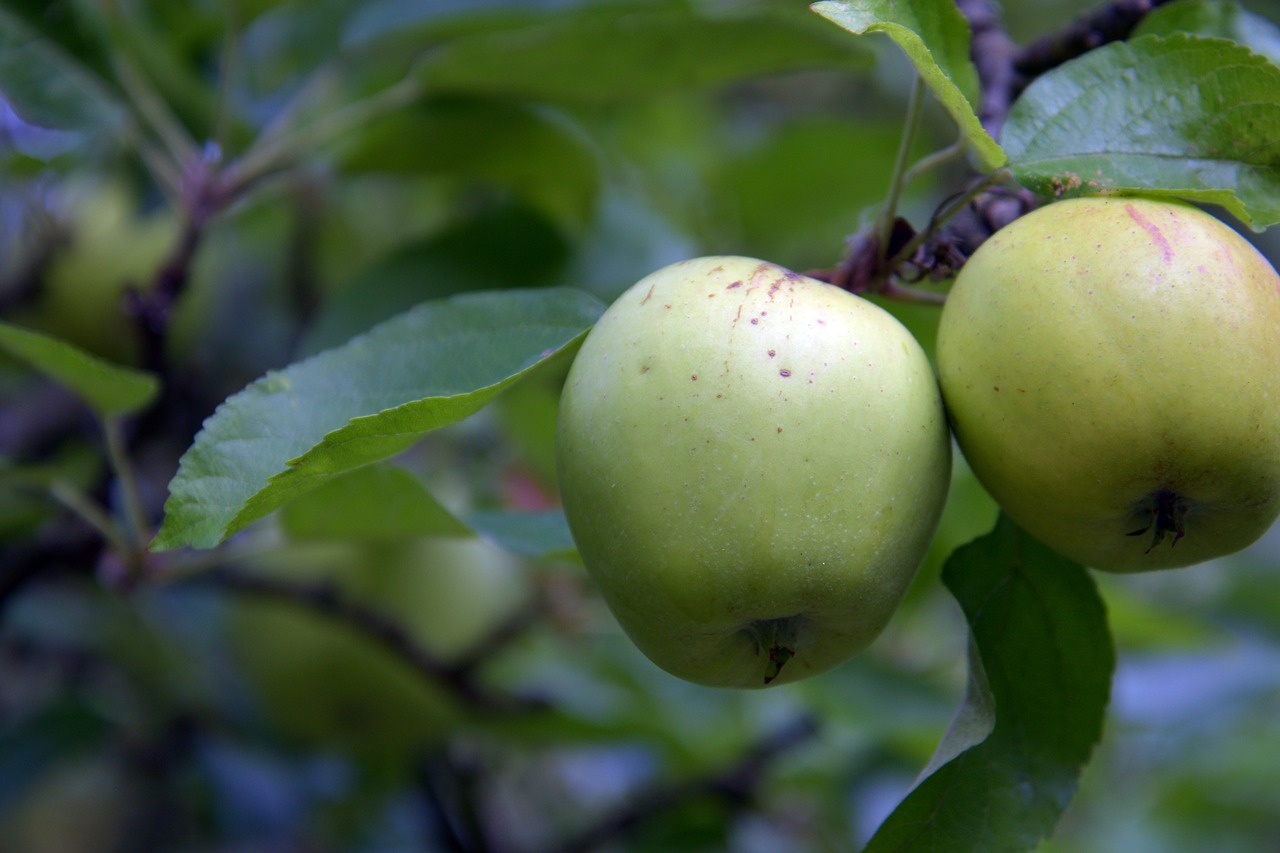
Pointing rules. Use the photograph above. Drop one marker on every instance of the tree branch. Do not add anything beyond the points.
(993, 55)
(323, 599)
(736, 784)
(1109, 23)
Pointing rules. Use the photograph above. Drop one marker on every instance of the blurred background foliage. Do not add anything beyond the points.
(188, 714)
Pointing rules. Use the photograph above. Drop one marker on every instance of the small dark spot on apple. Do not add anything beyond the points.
(772, 353)
(647, 295)
(694, 377)
(755, 321)
(735, 284)
(784, 372)
(995, 387)
(779, 429)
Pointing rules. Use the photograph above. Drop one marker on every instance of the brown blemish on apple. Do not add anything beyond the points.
(784, 373)
(1152, 229)
(732, 286)
(649, 294)
(772, 353)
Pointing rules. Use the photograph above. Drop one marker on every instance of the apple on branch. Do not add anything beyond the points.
(1111, 367)
(753, 464)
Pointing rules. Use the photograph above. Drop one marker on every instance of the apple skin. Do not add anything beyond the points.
(1111, 367)
(753, 464)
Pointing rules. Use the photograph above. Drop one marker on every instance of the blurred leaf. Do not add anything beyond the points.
(107, 388)
(373, 503)
(527, 415)
(1041, 630)
(29, 750)
(797, 195)
(530, 534)
(531, 152)
(1180, 117)
(599, 56)
(294, 429)
(935, 37)
(48, 87)
(1220, 18)
(500, 247)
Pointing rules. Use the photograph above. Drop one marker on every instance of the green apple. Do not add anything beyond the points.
(112, 247)
(322, 683)
(1111, 367)
(752, 464)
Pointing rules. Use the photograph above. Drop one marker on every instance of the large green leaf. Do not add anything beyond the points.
(1179, 116)
(605, 56)
(294, 429)
(1041, 632)
(935, 37)
(1220, 18)
(48, 87)
(108, 389)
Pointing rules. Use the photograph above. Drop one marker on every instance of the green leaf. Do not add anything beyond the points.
(530, 534)
(974, 720)
(600, 56)
(108, 389)
(49, 88)
(1181, 117)
(376, 503)
(1040, 629)
(534, 153)
(935, 37)
(294, 429)
(1220, 18)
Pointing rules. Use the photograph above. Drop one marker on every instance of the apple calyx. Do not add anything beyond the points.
(778, 637)
(1168, 512)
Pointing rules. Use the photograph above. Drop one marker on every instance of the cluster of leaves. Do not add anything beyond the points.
(372, 236)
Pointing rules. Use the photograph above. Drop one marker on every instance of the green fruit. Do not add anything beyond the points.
(752, 464)
(113, 247)
(323, 683)
(1111, 367)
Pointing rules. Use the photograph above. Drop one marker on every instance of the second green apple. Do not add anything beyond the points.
(1111, 367)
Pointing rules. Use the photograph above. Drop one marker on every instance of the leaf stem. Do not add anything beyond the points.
(934, 160)
(152, 108)
(915, 106)
(273, 153)
(86, 508)
(119, 457)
